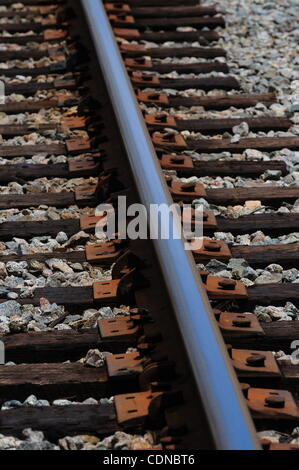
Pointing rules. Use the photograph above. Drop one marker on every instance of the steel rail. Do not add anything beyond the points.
(228, 416)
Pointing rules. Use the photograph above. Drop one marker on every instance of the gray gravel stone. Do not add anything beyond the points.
(11, 307)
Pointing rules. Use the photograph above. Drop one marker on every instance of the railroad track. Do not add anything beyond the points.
(83, 319)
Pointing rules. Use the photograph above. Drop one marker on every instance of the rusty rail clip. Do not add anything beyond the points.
(118, 327)
(118, 7)
(83, 167)
(132, 409)
(271, 404)
(152, 97)
(123, 326)
(114, 289)
(212, 249)
(126, 33)
(125, 263)
(132, 48)
(89, 221)
(54, 34)
(140, 78)
(78, 122)
(48, 21)
(139, 63)
(124, 365)
(186, 192)
(176, 162)
(169, 140)
(123, 279)
(86, 194)
(94, 193)
(208, 220)
(162, 120)
(64, 99)
(77, 146)
(122, 19)
(106, 253)
(239, 324)
(223, 288)
(146, 408)
(248, 363)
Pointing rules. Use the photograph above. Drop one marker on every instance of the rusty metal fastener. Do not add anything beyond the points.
(187, 191)
(154, 96)
(122, 18)
(242, 322)
(222, 288)
(133, 408)
(147, 96)
(161, 118)
(174, 141)
(177, 159)
(117, 6)
(212, 246)
(117, 327)
(188, 187)
(256, 360)
(275, 401)
(174, 162)
(122, 365)
(239, 325)
(168, 137)
(227, 284)
(139, 60)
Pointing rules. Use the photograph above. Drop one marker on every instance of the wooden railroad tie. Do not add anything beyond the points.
(203, 37)
(256, 255)
(101, 254)
(120, 289)
(216, 126)
(64, 82)
(73, 146)
(273, 223)
(171, 141)
(124, 20)
(146, 63)
(118, 334)
(61, 101)
(142, 80)
(160, 11)
(48, 35)
(185, 166)
(66, 123)
(89, 194)
(188, 192)
(243, 100)
(91, 165)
